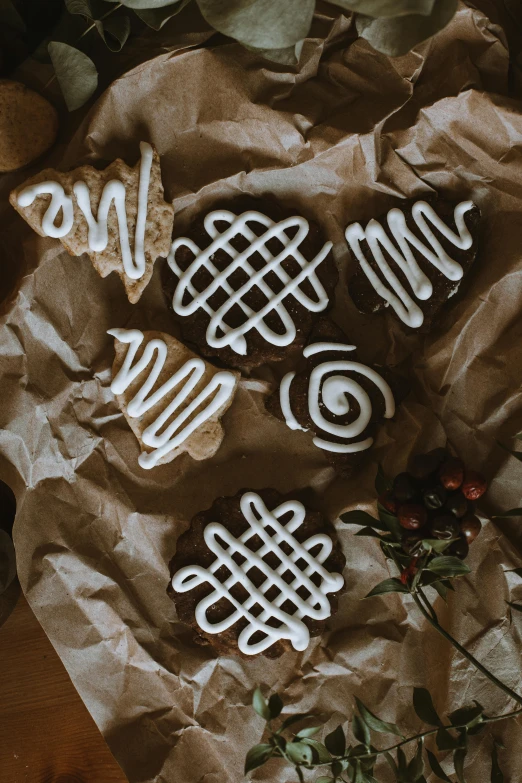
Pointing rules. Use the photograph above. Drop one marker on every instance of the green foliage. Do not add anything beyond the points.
(423, 706)
(272, 28)
(335, 742)
(496, 773)
(446, 566)
(76, 74)
(392, 585)
(257, 756)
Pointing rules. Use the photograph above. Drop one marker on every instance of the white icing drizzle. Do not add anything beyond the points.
(332, 393)
(98, 236)
(220, 334)
(261, 523)
(375, 235)
(159, 435)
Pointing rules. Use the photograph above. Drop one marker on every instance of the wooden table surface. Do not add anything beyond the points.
(46, 733)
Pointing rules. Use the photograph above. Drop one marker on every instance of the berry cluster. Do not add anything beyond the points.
(435, 500)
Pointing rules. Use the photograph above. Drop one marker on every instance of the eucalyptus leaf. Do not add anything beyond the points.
(392, 585)
(299, 752)
(458, 760)
(387, 8)
(157, 17)
(76, 74)
(423, 706)
(448, 566)
(264, 24)
(114, 31)
(257, 756)
(436, 768)
(289, 55)
(335, 742)
(358, 517)
(441, 589)
(375, 723)
(497, 775)
(260, 704)
(397, 36)
(82, 7)
(513, 512)
(275, 705)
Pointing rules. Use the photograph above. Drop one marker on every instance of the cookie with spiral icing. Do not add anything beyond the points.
(248, 281)
(337, 399)
(413, 259)
(257, 573)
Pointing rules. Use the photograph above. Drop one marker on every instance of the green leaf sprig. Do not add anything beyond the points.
(344, 759)
(275, 29)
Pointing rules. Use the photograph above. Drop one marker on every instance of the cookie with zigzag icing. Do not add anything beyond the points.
(118, 216)
(413, 259)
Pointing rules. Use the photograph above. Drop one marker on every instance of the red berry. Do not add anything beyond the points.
(409, 571)
(474, 485)
(388, 502)
(451, 473)
(412, 516)
(470, 527)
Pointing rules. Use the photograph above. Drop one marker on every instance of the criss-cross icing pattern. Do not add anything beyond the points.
(219, 333)
(269, 622)
(376, 237)
(331, 391)
(161, 435)
(98, 233)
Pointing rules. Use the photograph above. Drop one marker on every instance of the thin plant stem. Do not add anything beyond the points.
(462, 650)
(427, 604)
(85, 32)
(422, 735)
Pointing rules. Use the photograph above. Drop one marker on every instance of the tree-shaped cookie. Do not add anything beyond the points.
(172, 399)
(118, 216)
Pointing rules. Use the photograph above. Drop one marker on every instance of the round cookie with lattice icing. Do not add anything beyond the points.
(257, 574)
(413, 259)
(337, 399)
(248, 282)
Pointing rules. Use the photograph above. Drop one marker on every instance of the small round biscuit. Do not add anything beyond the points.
(28, 125)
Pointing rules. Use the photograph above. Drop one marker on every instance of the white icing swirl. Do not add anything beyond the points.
(375, 235)
(160, 435)
(219, 333)
(300, 563)
(98, 236)
(333, 393)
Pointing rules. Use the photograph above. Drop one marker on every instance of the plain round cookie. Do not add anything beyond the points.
(28, 125)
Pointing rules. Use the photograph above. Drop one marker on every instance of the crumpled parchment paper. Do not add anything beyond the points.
(344, 137)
